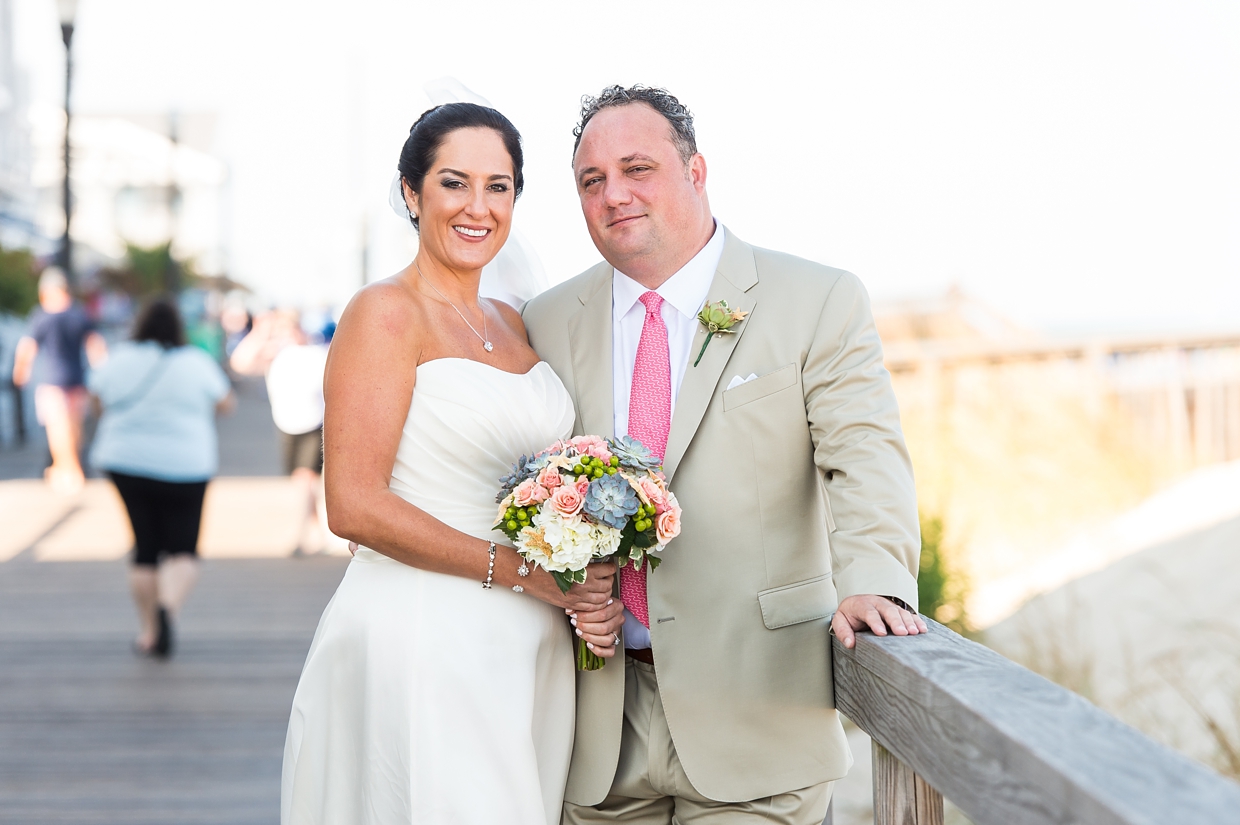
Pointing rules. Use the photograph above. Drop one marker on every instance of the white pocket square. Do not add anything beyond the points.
(737, 380)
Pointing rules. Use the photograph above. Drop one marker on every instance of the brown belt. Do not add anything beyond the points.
(644, 654)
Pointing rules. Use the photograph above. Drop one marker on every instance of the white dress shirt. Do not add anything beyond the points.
(683, 297)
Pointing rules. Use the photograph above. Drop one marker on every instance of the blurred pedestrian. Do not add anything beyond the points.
(157, 441)
(60, 331)
(237, 323)
(278, 348)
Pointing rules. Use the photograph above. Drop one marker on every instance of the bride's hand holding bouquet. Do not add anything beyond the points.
(585, 500)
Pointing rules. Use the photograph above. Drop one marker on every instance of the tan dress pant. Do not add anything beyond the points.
(651, 787)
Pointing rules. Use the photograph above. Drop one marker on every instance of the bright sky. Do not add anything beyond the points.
(1073, 164)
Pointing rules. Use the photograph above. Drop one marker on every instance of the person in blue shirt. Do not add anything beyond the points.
(157, 441)
(60, 331)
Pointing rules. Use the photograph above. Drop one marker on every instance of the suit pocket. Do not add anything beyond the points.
(772, 382)
(799, 602)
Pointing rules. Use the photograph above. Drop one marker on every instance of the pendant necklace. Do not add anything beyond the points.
(486, 344)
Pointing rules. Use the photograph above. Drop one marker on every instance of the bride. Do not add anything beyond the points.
(439, 687)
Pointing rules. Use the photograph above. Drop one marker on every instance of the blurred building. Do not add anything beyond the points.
(138, 178)
(17, 195)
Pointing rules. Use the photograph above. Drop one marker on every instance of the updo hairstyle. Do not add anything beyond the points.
(433, 128)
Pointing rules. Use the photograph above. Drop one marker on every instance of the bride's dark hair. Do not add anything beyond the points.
(432, 129)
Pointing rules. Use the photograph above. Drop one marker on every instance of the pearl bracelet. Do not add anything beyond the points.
(486, 585)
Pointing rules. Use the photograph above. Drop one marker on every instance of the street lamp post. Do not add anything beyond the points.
(67, 10)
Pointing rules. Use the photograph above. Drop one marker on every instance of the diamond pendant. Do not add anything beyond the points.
(486, 345)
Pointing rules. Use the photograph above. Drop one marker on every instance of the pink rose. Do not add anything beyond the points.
(583, 485)
(655, 493)
(592, 446)
(552, 450)
(529, 493)
(550, 478)
(567, 500)
(667, 525)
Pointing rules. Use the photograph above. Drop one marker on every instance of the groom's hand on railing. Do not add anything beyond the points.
(877, 613)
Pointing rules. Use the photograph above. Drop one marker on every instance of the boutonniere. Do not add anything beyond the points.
(718, 318)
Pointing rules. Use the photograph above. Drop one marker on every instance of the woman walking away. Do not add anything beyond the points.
(157, 442)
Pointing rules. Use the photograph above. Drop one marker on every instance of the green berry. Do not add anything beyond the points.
(578, 469)
(511, 525)
(611, 471)
(615, 462)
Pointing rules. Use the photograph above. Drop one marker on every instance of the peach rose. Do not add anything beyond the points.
(592, 446)
(558, 446)
(567, 500)
(550, 478)
(529, 493)
(583, 485)
(667, 525)
(654, 493)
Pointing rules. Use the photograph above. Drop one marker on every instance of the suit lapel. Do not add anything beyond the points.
(589, 335)
(736, 275)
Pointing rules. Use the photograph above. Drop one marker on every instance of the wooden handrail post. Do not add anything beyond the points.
(901, 797)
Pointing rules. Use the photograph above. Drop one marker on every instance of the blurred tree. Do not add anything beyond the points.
(941, 586)
(19, 286)
(149, 271)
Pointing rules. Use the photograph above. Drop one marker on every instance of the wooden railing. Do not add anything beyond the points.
(1008, 747)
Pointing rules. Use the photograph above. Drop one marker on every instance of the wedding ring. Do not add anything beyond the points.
(616, 636)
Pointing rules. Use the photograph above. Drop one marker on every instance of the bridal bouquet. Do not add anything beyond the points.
(584, 500)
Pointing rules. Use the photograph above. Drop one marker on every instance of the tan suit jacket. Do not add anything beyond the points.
(797, 491)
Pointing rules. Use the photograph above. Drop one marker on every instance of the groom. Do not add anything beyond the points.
(782, 442)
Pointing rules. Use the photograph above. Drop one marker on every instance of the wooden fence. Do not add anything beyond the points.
(1008, 747)
(1181, 394)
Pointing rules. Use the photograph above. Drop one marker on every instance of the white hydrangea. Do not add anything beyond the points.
(606, 540)
(572, 547)
(529, 544)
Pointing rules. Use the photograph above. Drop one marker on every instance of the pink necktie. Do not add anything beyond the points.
(650, 418)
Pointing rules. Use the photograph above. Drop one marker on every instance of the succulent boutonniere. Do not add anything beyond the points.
(718, 318)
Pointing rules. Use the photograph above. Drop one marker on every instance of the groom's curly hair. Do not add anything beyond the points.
(662, 101)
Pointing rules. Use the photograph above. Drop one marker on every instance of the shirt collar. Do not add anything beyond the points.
(686, 290)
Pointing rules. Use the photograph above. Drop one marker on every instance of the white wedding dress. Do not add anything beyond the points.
(425, 698)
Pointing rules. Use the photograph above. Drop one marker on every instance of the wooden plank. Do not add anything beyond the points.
(901, 797)
(1009, 747)
(90, 733)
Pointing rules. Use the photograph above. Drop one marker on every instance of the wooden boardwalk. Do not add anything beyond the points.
(90, 733)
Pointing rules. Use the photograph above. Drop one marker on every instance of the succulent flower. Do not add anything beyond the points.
(718, 318)
(634, 454)
(611, 500)
(525, 467)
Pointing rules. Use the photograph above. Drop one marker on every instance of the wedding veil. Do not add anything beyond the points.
(516, 275)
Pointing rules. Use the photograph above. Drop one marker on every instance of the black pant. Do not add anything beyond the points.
(165, 515)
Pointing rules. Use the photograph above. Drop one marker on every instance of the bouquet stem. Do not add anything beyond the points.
(588, 659)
